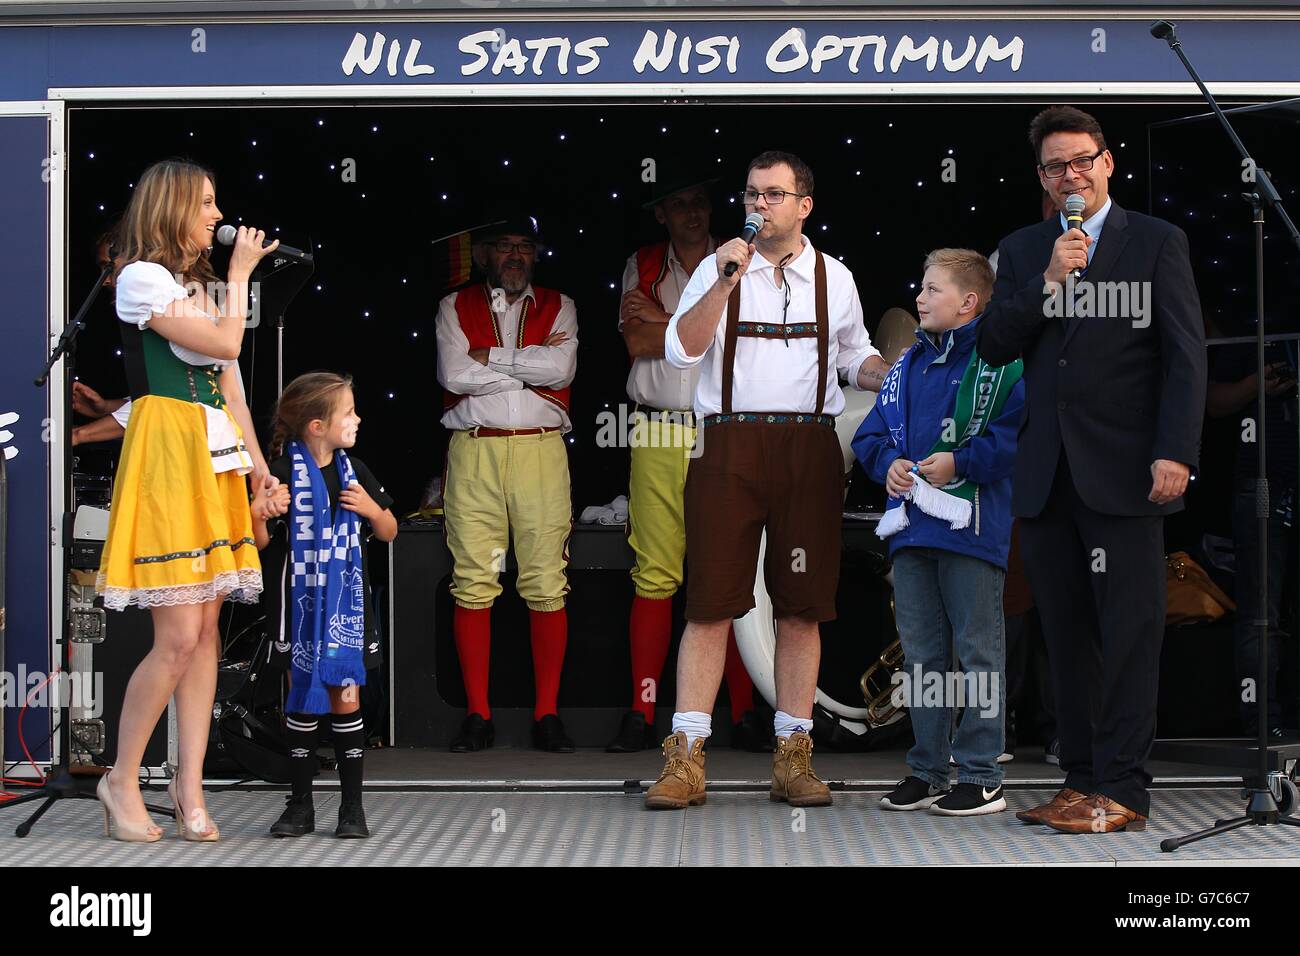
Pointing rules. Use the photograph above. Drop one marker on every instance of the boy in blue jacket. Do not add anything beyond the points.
(942, 439)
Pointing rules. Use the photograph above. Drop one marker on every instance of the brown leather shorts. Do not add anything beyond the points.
(787, 478)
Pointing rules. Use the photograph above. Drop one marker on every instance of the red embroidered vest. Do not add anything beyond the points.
(479, 323)
(652, 269)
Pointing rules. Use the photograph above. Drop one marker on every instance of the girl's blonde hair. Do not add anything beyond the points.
(305, 399)
(156, 227)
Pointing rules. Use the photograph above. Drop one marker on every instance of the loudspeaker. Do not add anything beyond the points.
(103, 658)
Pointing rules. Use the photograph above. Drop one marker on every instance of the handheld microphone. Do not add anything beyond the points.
(1074, 218)
(226, 236)
(753, 225)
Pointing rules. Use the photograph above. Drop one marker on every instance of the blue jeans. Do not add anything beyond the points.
(945, 604)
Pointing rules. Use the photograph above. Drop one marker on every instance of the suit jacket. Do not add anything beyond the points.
(1118, 391)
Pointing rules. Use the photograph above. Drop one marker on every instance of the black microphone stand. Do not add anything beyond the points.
(1263, 790)
(277, 298)
(62, 783)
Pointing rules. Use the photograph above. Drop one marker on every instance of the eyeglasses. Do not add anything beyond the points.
(505, 247)
(1080, 164)
(774, 197)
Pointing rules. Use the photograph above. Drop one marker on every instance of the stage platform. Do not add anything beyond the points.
(506, 806)
(556, 828)
(504, 768)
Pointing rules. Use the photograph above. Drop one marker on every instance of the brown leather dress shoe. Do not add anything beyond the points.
(1064, 799)
(1097, 814)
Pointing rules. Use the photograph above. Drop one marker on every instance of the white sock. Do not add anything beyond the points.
(694, 724)
(785, 725)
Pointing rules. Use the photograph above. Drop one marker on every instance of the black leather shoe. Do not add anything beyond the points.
(751, 735)
(352, 822)
(475, 734)
(634, 735)
(548, 734)
(299, 817)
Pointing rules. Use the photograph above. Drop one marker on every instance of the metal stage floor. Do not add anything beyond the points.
(510, 768)
(611, 829)
(504, 807)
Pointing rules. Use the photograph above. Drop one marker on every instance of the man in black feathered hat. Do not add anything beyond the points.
(507, 353)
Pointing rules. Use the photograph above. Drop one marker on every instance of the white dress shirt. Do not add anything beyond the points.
(771, 375)
(652, 381)
(495, 394)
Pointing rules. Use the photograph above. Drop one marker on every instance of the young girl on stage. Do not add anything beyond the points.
(318, 600)
(180, 536)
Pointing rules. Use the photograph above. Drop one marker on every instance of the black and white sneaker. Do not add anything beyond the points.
(970, 800)
(912, 793)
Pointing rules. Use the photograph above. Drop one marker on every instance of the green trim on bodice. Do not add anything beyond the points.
(170, 376)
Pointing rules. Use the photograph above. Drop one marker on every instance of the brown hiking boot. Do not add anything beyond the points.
(793, 778)
(682, 782)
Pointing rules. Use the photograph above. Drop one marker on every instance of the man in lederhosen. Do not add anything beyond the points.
(507, 351)
(770, 338)
(661, 441)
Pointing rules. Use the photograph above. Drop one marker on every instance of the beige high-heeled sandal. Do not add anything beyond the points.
(201, 829)
(126, 832)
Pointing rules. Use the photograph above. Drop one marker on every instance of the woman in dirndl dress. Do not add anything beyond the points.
(180, 537)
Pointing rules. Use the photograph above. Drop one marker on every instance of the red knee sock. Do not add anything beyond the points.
(473, 632)
(739, 687)
(650, 631)
(550, 632)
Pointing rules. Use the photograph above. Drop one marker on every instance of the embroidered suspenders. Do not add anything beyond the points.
(736, 329)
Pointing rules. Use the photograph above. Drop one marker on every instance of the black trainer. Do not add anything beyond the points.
(912, 793)
(352, 822)
(299, 817)
(970, 800)
(475, 734)
(634, 735)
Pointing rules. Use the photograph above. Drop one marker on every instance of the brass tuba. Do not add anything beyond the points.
(895, 334)
(877, 682)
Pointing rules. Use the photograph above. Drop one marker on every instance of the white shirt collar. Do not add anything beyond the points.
(674, 257)
(802, 265)
(526, 294)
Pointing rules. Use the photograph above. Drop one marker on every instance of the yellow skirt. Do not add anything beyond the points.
(178, 533)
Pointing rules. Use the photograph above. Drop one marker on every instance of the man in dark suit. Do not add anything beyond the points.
(1109, 325)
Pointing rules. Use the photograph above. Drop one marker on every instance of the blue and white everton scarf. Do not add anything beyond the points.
(978, 400)
(326, 587)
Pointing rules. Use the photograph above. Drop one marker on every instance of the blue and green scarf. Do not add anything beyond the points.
(982, 392)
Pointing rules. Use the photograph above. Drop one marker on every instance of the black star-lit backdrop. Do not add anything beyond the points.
(1197, 181)
(422, 172)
